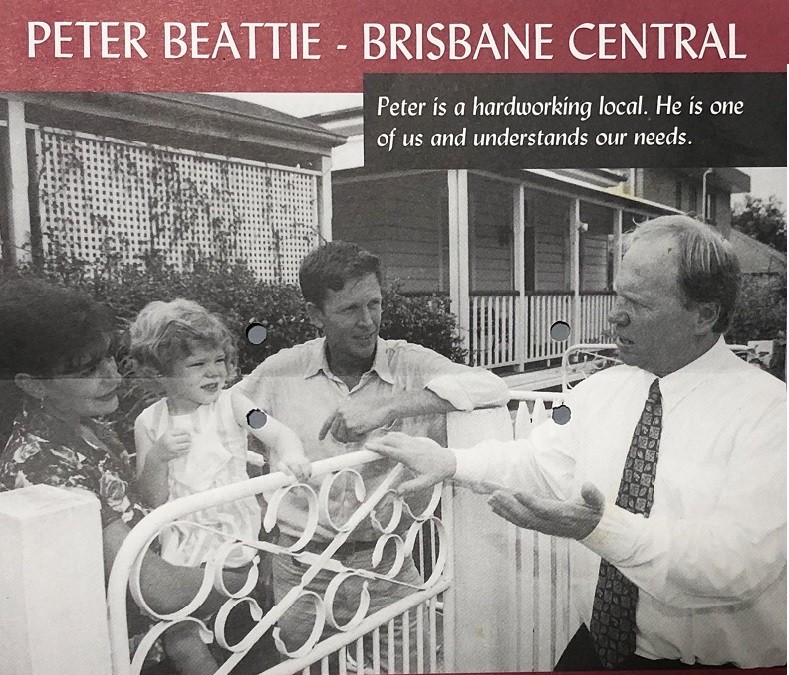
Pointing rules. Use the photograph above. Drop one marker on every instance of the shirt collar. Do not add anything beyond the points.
(317, 359)
(318, 362)
(381, 362)
(675, 386)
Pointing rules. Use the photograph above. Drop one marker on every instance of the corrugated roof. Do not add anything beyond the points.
(612, 194)
(247, 109)
(210, 110)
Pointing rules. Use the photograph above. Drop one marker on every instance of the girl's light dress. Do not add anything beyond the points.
(217, 457)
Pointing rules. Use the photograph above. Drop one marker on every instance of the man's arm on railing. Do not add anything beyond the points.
(447, 387)
(359, 415)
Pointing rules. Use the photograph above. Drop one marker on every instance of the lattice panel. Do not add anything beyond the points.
(100, 196)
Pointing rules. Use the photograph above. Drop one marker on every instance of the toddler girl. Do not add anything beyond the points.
(194, 439)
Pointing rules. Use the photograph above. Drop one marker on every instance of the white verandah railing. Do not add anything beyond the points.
(595, 308)
(494, 339)
(494, 597)
(542, 310)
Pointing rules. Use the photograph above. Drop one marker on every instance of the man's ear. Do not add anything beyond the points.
(315, 314)
(30, 385)
(707, 316)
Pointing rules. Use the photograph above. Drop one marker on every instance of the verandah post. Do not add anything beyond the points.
(325, 201)
(575, 270)
(14, 156)
(617, 241)
(457, 185)
(519, 266)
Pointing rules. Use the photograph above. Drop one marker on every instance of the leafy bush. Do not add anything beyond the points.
(761, 315)
(423, 320)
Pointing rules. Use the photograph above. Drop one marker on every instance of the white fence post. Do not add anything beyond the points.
(485, 608)
(53, 613)
(14, 155)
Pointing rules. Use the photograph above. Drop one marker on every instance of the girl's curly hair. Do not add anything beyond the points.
(166, 331)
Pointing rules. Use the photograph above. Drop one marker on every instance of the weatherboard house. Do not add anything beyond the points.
(515, 251)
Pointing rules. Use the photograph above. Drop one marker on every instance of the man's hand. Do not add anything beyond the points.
(355, 418)
(572, 519)
(424, 456)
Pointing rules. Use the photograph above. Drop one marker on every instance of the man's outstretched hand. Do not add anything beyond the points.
(427, 458)
(572, 519)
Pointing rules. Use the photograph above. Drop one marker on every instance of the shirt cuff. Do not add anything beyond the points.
(614, 539)
(473, 388)
(447, 387)
(470, 465)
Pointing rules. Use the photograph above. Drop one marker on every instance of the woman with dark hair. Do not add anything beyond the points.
(58, 374)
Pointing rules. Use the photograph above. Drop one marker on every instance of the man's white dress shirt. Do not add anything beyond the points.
(710, 561)
(296, 386)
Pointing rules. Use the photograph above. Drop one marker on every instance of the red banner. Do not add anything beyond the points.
(246, 45)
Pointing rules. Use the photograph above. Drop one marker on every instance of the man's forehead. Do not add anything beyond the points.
(355, 288)
(658, 247)
(651, 258)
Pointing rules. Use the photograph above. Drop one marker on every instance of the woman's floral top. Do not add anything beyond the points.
(44, 449)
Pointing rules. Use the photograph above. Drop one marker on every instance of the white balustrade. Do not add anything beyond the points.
(595, 308)
(492, 335)
(493, 341)
(542, 311)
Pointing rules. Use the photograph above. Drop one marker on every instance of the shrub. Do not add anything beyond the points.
(423, 320)
(761, 315)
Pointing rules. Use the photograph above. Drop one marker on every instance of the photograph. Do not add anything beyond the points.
(305, 379)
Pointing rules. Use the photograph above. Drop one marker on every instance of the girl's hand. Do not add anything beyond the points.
(291, 460)
(175, 443)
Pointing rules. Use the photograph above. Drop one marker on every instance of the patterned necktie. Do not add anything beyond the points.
(613, 624)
